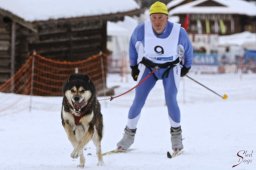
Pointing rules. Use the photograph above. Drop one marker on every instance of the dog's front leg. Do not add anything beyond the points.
(97, 143)
(70, 133)
(78, 150)
(82, 160)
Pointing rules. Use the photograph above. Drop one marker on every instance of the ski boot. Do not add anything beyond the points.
(127, 140)
(176, 139)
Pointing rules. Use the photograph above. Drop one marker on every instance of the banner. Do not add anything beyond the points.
(216, 27)
(223, 28)
(186, 22)
(199, 27)
(207, 26)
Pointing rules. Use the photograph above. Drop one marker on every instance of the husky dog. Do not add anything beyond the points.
(81, 116)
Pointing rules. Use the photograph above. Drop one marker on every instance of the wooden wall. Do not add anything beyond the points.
(70, 40)
(14, 40)
(63, 40)
(5, 42)
(66, 39)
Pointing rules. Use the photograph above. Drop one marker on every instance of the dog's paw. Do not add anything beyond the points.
(75, 153)
(80, 166)
(100, 163)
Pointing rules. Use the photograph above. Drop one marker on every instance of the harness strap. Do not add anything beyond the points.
(169, 65)
(154, 75)
(84, 111)
(167, 71)
(151, 64)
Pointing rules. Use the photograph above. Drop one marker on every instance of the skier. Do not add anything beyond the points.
(164, 45)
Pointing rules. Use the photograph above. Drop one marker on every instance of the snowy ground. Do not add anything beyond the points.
(214, 130)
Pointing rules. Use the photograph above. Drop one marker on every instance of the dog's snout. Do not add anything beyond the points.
(76, 98)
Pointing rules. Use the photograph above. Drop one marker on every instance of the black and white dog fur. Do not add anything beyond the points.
(81, 116)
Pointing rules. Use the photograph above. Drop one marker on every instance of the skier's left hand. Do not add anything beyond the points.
(184, 71)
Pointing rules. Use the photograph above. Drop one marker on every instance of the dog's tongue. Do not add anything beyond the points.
(78, 106)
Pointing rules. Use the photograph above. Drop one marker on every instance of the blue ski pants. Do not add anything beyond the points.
(170, 84)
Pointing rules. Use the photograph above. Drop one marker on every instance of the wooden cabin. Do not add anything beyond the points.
(59, 38)
(215, 16)
(207, 22)
(15, 34)
(74, 39)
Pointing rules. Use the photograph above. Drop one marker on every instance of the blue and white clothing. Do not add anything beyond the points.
(159, 49)
(137, 43)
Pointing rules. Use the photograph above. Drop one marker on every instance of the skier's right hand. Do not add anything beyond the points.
(135, 72)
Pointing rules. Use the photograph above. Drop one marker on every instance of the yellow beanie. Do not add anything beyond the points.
(158, 8)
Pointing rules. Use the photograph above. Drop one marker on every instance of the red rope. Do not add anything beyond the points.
(142, 81)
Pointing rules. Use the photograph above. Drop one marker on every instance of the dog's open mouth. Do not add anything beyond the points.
(79, 105)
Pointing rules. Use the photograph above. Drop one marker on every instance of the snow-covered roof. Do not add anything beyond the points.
(244, 39)
(32, 10)
(122, 28)
(174, 3)
(17, 19)
(229, 7)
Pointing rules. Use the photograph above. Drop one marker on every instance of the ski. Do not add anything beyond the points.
(170, 155)
(174, 154)
(114, 151)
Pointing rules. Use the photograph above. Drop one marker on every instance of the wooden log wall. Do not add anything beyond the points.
(70, 40)
(5, 43)
(14, 40)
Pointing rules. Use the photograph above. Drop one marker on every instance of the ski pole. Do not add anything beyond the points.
(225, 96)
(150, 74)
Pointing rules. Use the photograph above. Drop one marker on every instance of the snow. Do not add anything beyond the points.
(32, 10)
(174, 3)
(229, 7)
(214, 130)
(115, 30)
(122, 28)
(242, 39)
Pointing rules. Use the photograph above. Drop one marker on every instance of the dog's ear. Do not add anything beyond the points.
(85, 78)
(72, 77)
(68, 83)
(77, 76)
(92, 86)
(80, 79)
(65, 85)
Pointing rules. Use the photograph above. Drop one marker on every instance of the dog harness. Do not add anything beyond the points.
(84, 111)
(169, 65)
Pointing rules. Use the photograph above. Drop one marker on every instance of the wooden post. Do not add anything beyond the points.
(32, 80)
(13, 42)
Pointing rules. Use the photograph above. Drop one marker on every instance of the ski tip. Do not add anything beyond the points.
(169, 155)
(174, 154)
(116, 151)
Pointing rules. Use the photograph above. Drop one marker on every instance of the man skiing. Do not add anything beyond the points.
(162, 45)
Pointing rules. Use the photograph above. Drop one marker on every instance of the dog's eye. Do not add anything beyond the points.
(82, 91)
(73, 91)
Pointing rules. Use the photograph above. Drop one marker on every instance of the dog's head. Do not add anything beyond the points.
(79, 92)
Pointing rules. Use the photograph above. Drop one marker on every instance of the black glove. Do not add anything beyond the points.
(135, 72)
(184, 71)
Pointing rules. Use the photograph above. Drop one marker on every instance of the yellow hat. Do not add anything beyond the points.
(158, 8)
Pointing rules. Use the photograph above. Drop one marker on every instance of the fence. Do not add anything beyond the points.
(42, 76)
